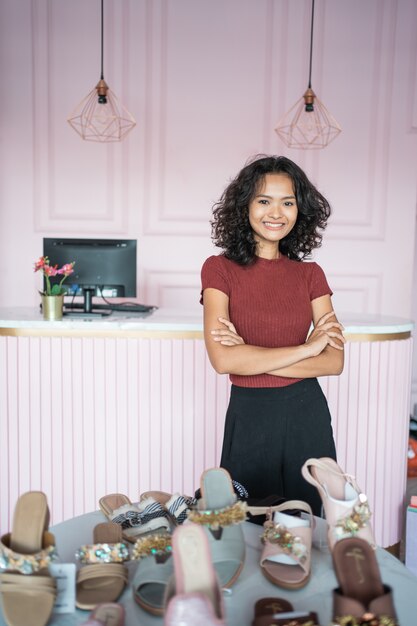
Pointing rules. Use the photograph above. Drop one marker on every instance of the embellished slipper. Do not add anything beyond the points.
(176, 505)
(28, 591)
(193, 593)
(103, 575)
(155, 568)
(134, 519)
(346, 507)
(280, 612)
(106, 614)
(286, 557)
(361, 595)
(221, 514)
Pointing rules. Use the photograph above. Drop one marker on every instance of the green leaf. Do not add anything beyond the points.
(57, 290)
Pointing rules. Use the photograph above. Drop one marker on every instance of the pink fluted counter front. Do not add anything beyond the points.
(132, 404)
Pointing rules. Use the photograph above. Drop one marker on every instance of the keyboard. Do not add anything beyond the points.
(124, 308)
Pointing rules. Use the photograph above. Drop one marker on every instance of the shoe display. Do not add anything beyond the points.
(221, 514)
(345, 506)
(193, 594)
(28, 591)
(361, 597)
(102, 577)
(286, 556)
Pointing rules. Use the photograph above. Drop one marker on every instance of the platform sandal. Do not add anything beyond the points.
(345, 506)
(134, 519)
(28, 591)
(286, 556)
(102, 576)
(361, 597)
(221, 515)
(193, 594)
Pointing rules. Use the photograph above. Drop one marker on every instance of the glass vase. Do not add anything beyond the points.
(52, 308)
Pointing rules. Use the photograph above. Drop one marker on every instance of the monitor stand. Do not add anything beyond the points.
(86, 307)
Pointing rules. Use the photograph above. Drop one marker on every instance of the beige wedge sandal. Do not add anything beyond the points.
(28, 591)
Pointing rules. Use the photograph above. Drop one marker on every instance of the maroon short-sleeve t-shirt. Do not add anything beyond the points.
(269, 303)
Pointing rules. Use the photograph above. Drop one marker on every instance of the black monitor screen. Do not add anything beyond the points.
(104, 267)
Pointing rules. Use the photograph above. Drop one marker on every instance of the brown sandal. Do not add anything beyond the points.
(28, 591)
(280, 612)
(361, 593)
(104, 576)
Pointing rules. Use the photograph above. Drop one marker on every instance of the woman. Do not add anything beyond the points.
(259, 302)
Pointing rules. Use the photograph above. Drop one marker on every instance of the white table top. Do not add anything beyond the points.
(177, 321)
(251, 585)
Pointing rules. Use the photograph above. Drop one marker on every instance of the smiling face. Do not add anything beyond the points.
(272, 213)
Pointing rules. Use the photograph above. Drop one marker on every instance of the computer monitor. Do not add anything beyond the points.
(103, 267)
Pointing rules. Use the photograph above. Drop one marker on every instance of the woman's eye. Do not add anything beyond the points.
(263, 201)
(289, 203)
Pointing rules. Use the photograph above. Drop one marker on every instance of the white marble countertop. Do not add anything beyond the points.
(171, 320)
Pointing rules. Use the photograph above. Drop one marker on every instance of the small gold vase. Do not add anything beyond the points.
(52, 308)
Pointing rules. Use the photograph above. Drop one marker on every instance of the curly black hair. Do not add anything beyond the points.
(231, 229)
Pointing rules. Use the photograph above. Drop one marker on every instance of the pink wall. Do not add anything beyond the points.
(207, 83)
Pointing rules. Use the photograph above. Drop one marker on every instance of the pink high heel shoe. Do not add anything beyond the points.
(346, 507)
(193, 595)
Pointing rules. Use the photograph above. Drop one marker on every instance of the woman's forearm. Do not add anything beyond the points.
(246, 360)
(328, 363)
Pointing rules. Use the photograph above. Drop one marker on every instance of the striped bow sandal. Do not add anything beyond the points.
(176, 505)
(134, 519)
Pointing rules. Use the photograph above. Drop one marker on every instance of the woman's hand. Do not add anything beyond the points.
(326, 333)
(226, 336)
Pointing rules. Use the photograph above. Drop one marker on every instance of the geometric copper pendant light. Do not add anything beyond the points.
(100, 116)
(308, 124)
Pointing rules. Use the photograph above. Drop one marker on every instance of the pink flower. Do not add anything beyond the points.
(43, 260)
(66, 269)
(50, 270)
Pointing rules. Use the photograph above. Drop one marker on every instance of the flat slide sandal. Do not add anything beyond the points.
(280, 612)
(221, 514)
(361, 590)
(134, 519)
(346, 507)
(28, 591)
(287, 539)
(103, 576)
(155, 568)
(106, 614)
(194, 593)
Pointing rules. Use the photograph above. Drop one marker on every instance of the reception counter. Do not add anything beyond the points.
(128, 404)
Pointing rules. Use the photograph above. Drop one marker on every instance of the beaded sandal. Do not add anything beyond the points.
(361, 598)
(221, 514)
(155, 568)
(193, 594)
(28, 591)
(286, 556)
(346, 507)
(103, 575)
(134, 519)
